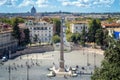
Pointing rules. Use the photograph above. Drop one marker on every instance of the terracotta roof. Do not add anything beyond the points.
(111, 25)
(78, 22)
(7, 31)
(5, 27)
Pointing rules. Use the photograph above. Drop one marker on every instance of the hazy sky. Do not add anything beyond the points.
(11, 6)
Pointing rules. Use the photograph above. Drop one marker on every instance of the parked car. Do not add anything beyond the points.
(4, 59)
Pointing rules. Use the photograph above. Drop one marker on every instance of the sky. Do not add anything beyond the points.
(82, 6)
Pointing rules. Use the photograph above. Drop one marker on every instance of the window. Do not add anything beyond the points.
(38, 28)
(34, 28)
(41, 28)
(76, 27)
(44, 23)
(45, 28)
(81, 27)
(45, 39)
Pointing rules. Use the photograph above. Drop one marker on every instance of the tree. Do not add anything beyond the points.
(57, 25)
(77, 38)
(16, 31)
(110, 20)
(68, 37)
(39, 42)
(67, 24)
(99, 37)
(110, 67)
(74, 37)
(21, 20)
(105, 38)
(55, 39)
(35, 38)
(5, 20)
(27, 36)
(11, 20)
(94, 25)
(83, 37)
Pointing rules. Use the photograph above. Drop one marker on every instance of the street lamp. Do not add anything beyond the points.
(27, 71)
(27, 64)
(9, 71)
(87, 59)
(83, 51)
(94, 60)
(36, 58)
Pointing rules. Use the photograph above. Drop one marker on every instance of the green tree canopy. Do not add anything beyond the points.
(94, 25)
(105, 38)
(83, 37)
(99, 37)
(35, 38)
(110, 67)
(68, 28)
(27, 36)
(55, 39)
(57, 25)
(16, 31)
(11, 20)
(5, 20)
(74, 37)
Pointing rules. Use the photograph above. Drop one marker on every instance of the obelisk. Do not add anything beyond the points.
(61, 64)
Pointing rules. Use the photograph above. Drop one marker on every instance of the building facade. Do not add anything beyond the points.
(113, 28)
(78, 27)
(8, 44)
(40, 31)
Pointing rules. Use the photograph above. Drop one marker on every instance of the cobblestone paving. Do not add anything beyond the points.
(40, 62)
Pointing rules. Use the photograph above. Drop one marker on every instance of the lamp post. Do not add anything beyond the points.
(9, 71)
(27, 71)
(27, 64)
(87, 54)
(94, 60)
(36, 58)
(83, 51)
(87, 59)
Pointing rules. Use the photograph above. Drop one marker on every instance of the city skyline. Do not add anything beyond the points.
(83, 6)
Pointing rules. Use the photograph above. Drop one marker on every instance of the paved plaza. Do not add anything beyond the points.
(40, 62)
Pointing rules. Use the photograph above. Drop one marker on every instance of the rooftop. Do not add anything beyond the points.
(5, 28)
(111, 25)
(80, 22)
(7, 31)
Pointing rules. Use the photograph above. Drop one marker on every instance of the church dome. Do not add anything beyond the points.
(33, 10)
